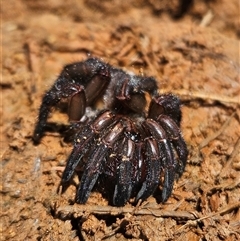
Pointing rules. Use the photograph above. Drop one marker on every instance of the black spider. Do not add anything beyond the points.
(135, 145)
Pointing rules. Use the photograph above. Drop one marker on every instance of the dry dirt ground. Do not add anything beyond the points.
(193, 52)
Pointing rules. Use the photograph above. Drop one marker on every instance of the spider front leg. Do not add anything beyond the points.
(165, 109)
(152, 172)
(81, 83)
(95, 161)
(61, 89)
(130, 91)
(165, 159)
(84, 140)
(124, 185)
(127, 163)
(167, 104)
(175, 137)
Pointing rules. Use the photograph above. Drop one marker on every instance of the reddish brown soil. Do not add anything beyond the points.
(195, 56)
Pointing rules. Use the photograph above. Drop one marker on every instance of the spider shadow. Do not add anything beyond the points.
(103, 186)
(66, 131)
(106, 187)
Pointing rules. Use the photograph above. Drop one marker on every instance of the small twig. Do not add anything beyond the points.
(221, 212)
(235, 151)
(223, 187)
(77, 210)
(216, 134)
(196, 95)
(113, 232)
(207, 19)
(32, 55)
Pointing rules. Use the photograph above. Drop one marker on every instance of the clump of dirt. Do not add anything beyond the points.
(192, 50)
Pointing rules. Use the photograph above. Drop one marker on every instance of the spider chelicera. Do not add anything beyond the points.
(134, 144)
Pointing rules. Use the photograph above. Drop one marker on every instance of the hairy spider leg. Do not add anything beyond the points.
(95, 161)
(123, 186)
(81, 83)
(84, 140)
(167, 104)
(153, 169)
(175, 137)
(130, 91)
(167, 161)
